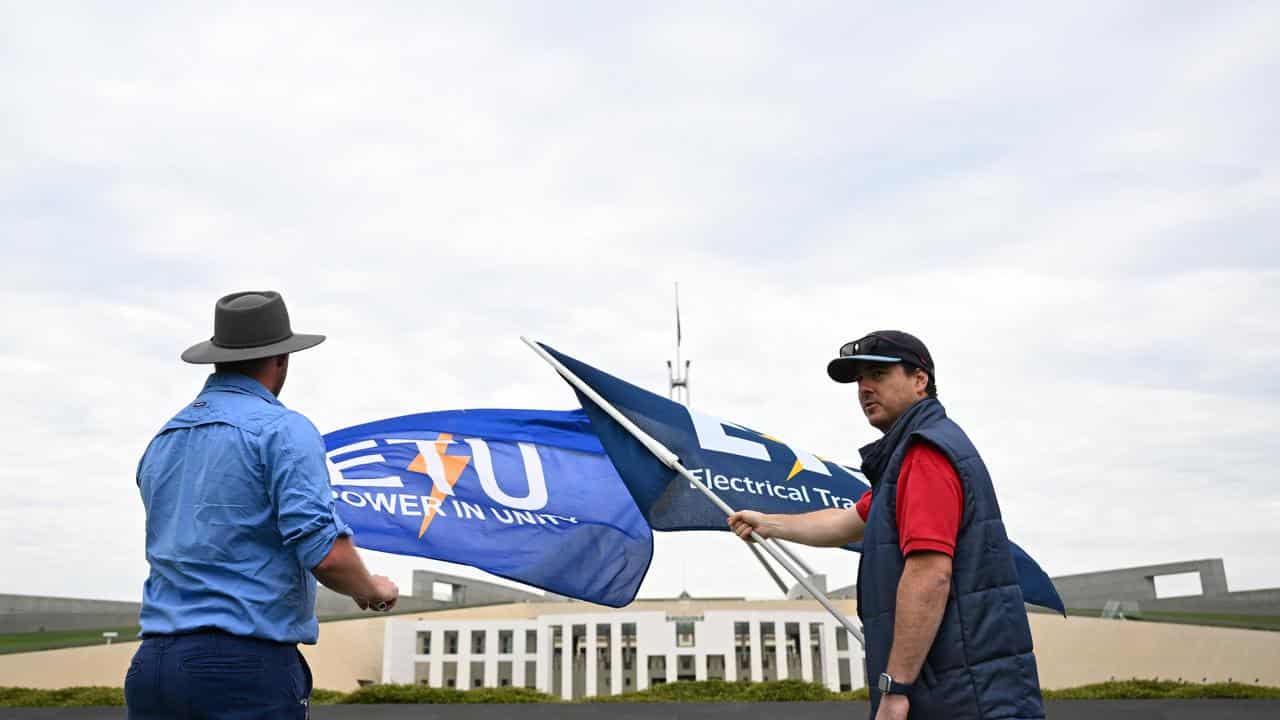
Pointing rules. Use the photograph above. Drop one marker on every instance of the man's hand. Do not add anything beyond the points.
(831, 527)
(384, 595)
(743, 522)
(893, 707)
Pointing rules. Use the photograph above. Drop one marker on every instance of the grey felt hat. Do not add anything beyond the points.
(247, 326)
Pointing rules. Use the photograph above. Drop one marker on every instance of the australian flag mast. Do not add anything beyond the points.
(678, 390)
(671, 461)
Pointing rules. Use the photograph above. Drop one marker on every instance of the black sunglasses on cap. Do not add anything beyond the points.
(882, 346)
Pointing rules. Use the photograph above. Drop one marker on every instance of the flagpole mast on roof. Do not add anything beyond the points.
(668, 458)
(678, 375)
(678, 391)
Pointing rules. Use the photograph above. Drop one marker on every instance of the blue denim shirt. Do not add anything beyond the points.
(239, 511)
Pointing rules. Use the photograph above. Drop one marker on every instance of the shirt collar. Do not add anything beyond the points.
(235, 382)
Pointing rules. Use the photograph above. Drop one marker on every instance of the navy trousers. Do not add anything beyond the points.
(213, 675)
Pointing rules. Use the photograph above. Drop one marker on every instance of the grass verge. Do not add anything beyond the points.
(1228, 620)
(54, 639)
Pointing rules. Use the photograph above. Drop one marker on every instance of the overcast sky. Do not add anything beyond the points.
(1076, 208)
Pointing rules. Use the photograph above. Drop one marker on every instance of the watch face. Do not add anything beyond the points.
(885, 682)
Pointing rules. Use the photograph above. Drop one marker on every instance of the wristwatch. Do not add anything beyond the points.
(888, 686)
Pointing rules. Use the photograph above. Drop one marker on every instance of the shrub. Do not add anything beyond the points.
(400, 694)
(1162, 690)
(721, 691)
(64, 697)
(321, 696)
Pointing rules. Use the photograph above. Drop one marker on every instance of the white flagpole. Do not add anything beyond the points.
(670, 459)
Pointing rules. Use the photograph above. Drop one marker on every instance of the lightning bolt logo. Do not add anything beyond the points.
(814, 462)
(438, 466)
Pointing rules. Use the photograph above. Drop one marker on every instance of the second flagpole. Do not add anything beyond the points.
(670, 459)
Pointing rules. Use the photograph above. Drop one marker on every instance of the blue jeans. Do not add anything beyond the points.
(213, 675)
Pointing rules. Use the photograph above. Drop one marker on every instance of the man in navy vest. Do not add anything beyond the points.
(946, 629)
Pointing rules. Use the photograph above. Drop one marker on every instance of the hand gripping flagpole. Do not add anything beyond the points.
(670, 459)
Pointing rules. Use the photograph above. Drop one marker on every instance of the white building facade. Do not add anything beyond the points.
(575, 650)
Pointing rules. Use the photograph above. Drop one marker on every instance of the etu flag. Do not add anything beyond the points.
(747, 469)
(527, 495)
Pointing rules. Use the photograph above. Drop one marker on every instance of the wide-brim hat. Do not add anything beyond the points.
(247, 326)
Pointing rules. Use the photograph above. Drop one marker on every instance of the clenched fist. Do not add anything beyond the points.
(743, 522)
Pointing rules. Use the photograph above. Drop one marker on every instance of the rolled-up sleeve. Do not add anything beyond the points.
(298, 482)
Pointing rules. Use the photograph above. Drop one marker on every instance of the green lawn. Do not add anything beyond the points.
(1247, 622)
(52, 639)
(1252, 622)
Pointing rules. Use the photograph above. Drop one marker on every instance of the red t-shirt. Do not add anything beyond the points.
(930, 502)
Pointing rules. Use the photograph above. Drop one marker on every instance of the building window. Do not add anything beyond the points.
(842, 638)
(685, 671)
(578, 641)
(450, 642)
(684, 634)
(531, 641)
(657, 669)
(715, 667)
(816, 648)
(477, 642)
(505, 642)
(424, 642)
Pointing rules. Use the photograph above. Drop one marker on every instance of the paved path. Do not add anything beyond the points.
(1062, 710)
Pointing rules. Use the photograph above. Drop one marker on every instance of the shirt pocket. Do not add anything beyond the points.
(225, 532)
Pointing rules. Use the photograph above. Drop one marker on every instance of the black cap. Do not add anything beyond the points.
(881, 346)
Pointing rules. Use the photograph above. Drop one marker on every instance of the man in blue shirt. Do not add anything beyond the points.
(240, 525)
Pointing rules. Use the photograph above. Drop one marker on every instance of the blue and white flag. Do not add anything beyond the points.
(527, 495)
(746, 468)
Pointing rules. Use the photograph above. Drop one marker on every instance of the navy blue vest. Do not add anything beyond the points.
(981, 665)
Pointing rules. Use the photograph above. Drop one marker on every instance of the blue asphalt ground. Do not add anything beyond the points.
(1062, 710)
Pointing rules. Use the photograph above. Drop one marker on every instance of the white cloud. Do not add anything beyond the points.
(1072, 207)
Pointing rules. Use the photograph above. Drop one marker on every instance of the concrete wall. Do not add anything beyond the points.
(468, 591)
(1093, 590)
(28, 613)
(348, 652)
(1245, 602)
(32, 613)
(1077, 651)
(330, 604)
